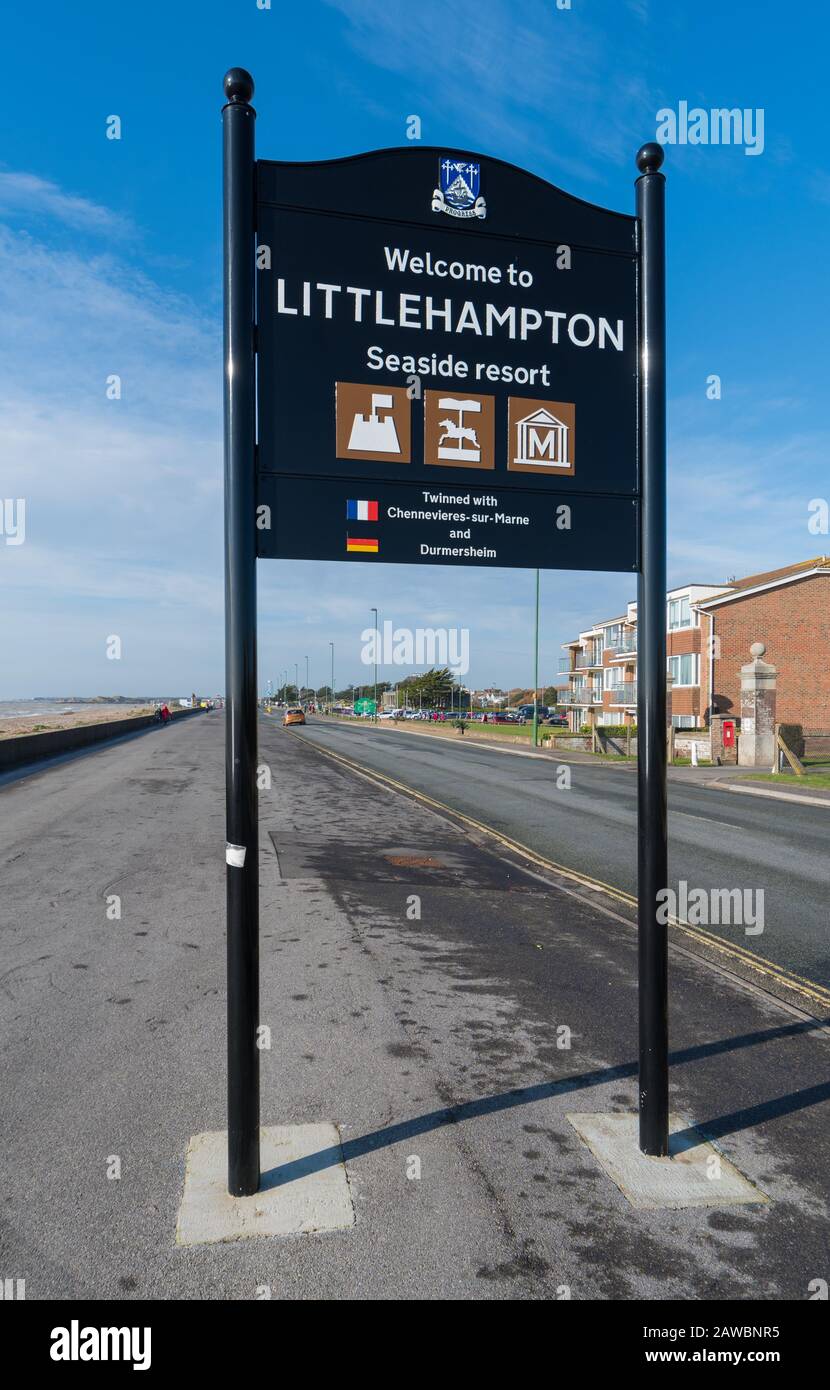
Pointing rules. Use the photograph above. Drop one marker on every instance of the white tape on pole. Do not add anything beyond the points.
(235, 856)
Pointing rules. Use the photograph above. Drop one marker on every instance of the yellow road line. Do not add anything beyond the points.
(797, 983)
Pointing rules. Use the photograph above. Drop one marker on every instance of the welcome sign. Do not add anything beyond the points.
(447, 355)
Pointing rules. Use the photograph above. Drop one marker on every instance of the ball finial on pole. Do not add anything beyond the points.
(649, 157)
(238, 85)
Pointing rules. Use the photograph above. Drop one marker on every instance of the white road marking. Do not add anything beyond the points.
(707, 820)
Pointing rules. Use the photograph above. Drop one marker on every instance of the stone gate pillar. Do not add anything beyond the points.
(757, 744)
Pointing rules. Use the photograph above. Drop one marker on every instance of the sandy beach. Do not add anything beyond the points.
(15, 726)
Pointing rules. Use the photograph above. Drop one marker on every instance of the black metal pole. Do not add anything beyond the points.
(652, 855)
(242, 871)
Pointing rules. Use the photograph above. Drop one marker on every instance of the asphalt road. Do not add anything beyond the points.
(717, 839)
(433, 1042)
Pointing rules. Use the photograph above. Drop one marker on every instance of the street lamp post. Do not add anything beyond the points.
(297, 679)
(306, 677)
(536, 671)
(375, 645)
(331, 704)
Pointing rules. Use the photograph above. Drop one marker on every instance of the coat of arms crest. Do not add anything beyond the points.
(457, 194)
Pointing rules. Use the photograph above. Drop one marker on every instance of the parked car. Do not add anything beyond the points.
(526, 711)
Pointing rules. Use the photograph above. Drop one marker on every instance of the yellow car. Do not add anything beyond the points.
(293, 716)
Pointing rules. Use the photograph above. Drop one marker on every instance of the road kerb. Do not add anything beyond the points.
(772, 794)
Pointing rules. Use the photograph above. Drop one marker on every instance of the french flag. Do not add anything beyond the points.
(361, 510)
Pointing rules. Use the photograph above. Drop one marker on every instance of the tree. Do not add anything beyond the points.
(432, 689)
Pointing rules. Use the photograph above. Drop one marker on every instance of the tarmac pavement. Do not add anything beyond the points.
(430, 1040)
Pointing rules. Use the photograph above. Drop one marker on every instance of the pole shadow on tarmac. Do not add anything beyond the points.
(717, 1128)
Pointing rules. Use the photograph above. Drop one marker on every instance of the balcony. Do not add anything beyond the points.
(582, 695)
(620, 696)
(623, 645)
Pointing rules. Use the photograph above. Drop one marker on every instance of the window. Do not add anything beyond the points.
(685, 669)
(679, 614)
(684, 721)
(613, 635)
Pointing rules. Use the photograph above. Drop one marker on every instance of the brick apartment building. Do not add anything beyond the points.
(709, 630)
(789, 610)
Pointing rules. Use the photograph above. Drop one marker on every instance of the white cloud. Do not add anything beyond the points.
(31, 195)
(123, 497)
(738, 494)
(71, 320)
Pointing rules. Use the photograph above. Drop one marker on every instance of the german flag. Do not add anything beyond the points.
(361, 545)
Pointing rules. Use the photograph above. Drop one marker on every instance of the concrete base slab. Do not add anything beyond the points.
(304, 1187)
(696, 1173)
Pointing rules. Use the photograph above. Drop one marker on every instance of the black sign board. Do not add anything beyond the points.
(436, 325)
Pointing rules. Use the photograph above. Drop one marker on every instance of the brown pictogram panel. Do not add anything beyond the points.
(373, 422)
(459, 430)
(541, 437)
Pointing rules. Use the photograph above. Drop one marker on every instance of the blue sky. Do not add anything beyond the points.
(110, 262)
